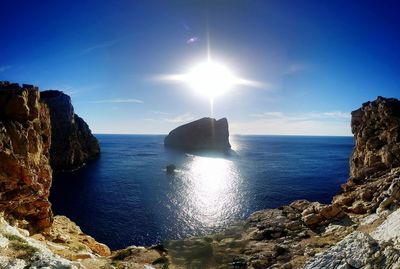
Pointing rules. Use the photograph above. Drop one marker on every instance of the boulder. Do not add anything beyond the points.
(202, 134)
(73, 143)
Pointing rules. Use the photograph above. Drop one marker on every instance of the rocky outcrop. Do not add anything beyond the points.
(375, 161)
(359, 229)
(25, 173)
(72, 143)
(66, 247)
(348, 233)
(19, 251)
(376, 249)
(376, 129)
(202, 134)
(271, 238)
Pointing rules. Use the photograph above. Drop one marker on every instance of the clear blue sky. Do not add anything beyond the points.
(318, 60)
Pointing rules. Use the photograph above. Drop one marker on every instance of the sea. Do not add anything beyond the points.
(126, 197)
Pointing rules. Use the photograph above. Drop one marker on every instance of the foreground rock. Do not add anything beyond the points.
(202, 134)
(72, 143)
(64, 246)
(25, 173)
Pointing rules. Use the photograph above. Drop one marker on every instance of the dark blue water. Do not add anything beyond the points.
(127, 198)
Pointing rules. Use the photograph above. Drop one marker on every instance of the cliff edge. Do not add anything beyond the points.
(73, 143)
(376, 129)
(25, 172)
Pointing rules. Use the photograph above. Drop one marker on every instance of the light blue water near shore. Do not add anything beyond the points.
(126, 197)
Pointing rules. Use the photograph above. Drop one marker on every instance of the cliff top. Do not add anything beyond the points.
(6, 85)
(52, 93)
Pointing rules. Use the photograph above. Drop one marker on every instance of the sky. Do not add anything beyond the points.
(316, 61)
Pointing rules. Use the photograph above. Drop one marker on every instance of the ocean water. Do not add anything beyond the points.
(127, 198)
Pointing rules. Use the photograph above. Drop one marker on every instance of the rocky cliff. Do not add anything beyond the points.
(25, 173)
(202, 134)
(72, 143)
(376, 129)
(359, 229)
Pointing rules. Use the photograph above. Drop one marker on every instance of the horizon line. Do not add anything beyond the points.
(315, 135)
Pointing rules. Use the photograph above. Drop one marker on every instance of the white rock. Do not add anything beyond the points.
(42, 258)
(369, 219)
(352, 252)
(3, 242)
(7, 263)
(389, 229)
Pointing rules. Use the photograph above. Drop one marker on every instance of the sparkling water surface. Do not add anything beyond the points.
(127, 198)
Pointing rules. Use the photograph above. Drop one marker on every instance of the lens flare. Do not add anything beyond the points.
(210, 79)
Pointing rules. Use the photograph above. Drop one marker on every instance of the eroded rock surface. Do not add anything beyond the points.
(202, 134)
(376, 129)
(25, 173)
(73, 143)
(19, 251)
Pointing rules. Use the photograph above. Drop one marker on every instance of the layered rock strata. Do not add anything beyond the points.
(73, 143)
(25, 173)
(376, 129)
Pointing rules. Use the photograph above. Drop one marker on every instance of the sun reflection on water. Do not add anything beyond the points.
(208, 195)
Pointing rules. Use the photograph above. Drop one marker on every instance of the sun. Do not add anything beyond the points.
(210, 79)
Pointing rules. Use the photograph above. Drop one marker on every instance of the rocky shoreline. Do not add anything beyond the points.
(359, 229)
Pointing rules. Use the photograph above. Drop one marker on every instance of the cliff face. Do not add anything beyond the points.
(202, 134)
(72, 142)
(25, 173)
(376, 129)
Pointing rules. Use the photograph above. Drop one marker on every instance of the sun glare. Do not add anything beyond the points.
(210, 79)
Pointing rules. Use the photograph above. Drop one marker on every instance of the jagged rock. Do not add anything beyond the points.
(379, 249)
(25, 173)
(353, 251)
(202, 134)
(64, 231)
(389, 229)
(72, 142)
(376, 129)
(23, 252)
(353, 199)
(374, 163)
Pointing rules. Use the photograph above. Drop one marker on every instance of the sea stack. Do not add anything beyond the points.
(73, 143)
(25, 172)
(202, 134)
